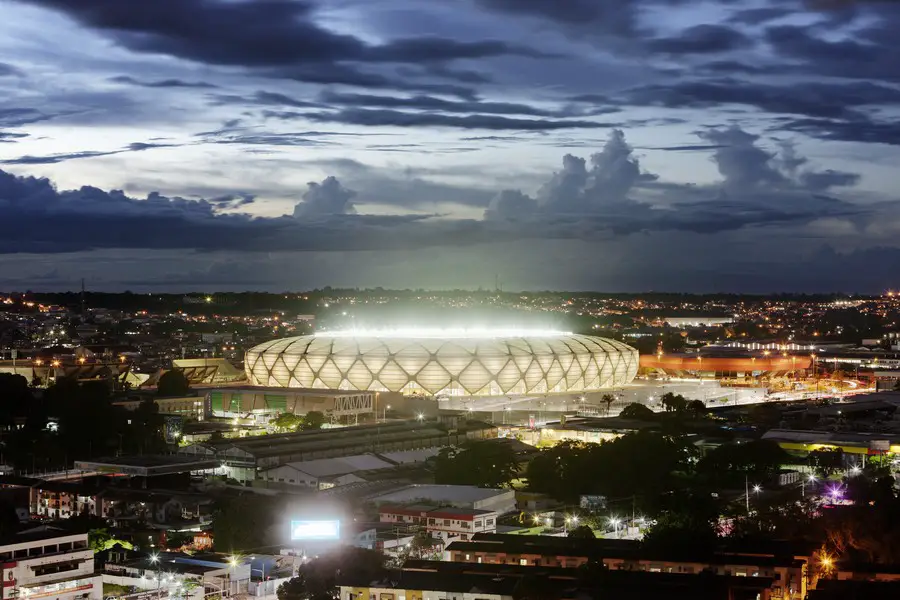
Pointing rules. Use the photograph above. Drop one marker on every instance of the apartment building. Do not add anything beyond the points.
(447, 523)
(49, 564)
(787, 570)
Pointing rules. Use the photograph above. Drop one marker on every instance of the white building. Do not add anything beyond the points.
(51, 565)
(324, 473)
(446, 523)
(496, 500)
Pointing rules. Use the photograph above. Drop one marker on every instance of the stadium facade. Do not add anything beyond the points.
(454, 363)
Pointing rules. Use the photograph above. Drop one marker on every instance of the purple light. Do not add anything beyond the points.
(836, 492)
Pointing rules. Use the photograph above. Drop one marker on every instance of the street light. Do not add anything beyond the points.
(811, 480)
(387, 407)
(420, 417)
(614, 521)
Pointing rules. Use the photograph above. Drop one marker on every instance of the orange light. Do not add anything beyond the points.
(38, 362)
(55, 363)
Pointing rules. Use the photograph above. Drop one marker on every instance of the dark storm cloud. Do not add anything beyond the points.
(839, 100)
(854, 130)
(439, 104)
(261, 98)
(35, 217)
(870, 54)
(824, 180)
(702, 39)
(162, 83)
(617, 18)
(18, 116)
(264, 33)
(393, 118)
(8, 136)
(58, 158)
(55, 158)
(762, 15)
(353, 76)
(7, 70)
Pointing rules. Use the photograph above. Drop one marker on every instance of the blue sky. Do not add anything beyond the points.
(289, 144)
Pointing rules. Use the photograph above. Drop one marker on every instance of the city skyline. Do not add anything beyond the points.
(290, 144)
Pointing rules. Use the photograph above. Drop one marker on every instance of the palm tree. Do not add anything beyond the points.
(608, 399)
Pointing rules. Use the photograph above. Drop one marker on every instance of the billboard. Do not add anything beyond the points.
(316, 530)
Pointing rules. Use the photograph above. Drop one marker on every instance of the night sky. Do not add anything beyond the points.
(611, 145)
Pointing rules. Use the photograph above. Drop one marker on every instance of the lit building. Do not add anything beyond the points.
(50, 564)
(444, 362)
(447, 523)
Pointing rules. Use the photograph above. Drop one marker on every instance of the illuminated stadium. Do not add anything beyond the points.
(444, 362)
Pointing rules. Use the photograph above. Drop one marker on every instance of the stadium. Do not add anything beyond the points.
(444, 362)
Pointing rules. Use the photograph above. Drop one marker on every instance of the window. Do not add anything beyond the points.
(489, 522)
(523, 562)
(464, 525)
(431, 521)
(446, 522)
(468, 557)
(478, 523)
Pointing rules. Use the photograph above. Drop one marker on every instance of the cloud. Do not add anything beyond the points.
(837, 100)
(394, 118)
(162, 83)
(611, 18)
(439, 104)
(9, 136)
(264, 33)
(58, 158)
(758, 188)
(325, 199)
(824, 180)
(7, 70)
(702, 39)
(511, 205)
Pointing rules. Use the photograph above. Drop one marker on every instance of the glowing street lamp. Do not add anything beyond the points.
(614, 521)
(420, 417)
(810, 480)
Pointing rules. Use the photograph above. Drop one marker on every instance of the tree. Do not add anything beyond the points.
(673, 402)
(644, 464)
(320, 578)
(15, 397)
(730, 463)
(637, 411)
(766, 414)
(608, 399)
(485, 464)
(826, 461)
(173, 383)
(697, 408)
(312, 420)
(244, 522)
(286, 422)
(100, 540)
(582, 532)
(691, 529)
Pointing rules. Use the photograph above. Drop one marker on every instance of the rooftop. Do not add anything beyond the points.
(438, 493)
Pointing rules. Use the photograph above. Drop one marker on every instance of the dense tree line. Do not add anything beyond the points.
(71, 420)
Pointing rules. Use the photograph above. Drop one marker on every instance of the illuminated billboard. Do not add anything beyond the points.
(316, 530)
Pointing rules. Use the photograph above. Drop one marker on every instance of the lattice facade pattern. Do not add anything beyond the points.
(455, 366)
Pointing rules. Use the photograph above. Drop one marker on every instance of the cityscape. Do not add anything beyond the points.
(449, 300)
